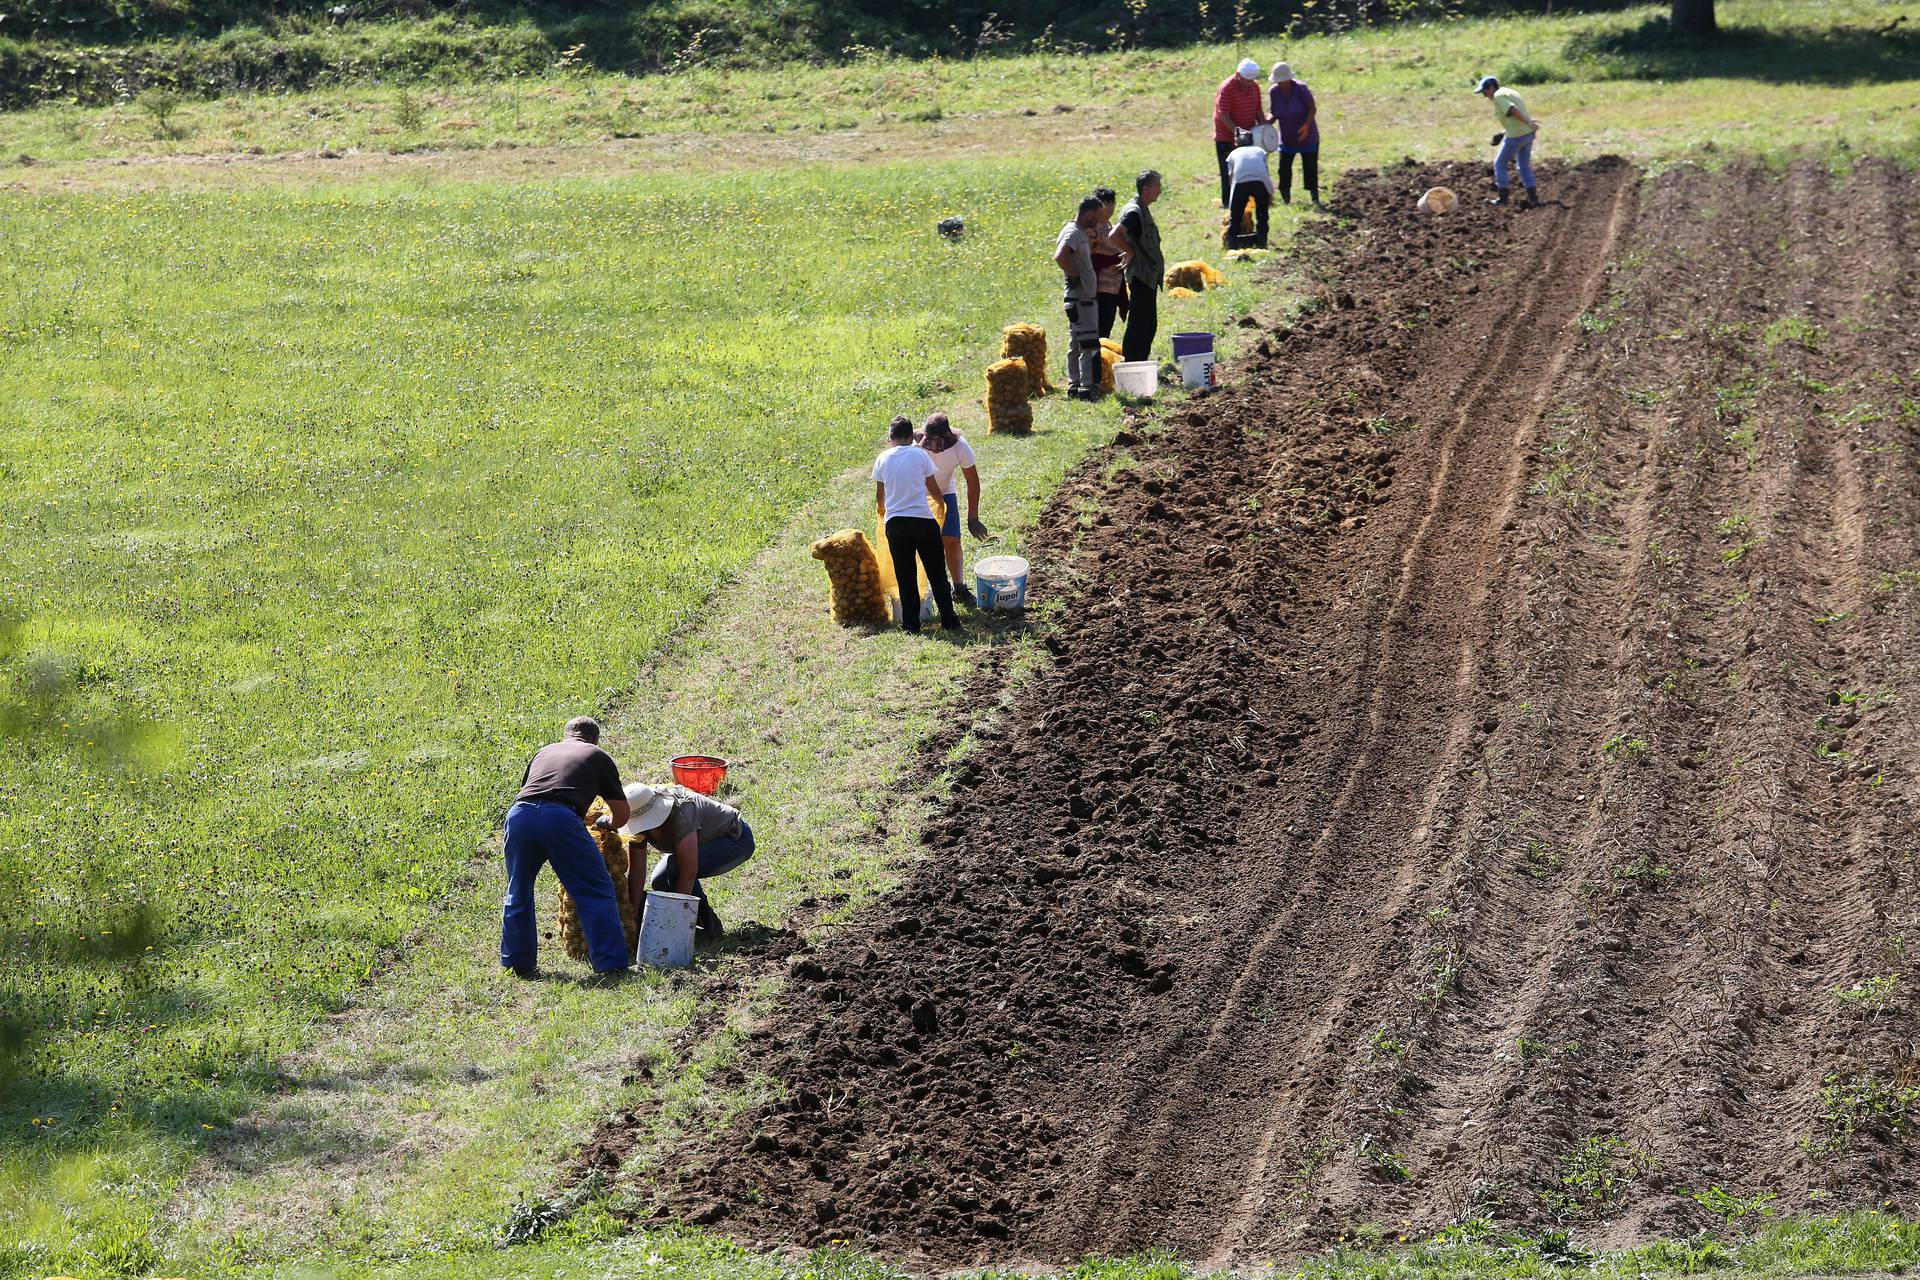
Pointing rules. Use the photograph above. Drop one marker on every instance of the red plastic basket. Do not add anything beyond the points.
(699, 773)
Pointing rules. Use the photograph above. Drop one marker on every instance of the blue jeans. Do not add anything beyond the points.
(717, 857)
(1514, 151)
(536, 835)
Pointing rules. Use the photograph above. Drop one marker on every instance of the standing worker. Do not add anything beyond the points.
(1252, 180)
(1073, 253)
(952, 456)
(1139, 238)
(903, 482)
(1296, 118)
(1109, 264)
(547, 823)
(698, 837)
(1235, 106)
(1515, 140)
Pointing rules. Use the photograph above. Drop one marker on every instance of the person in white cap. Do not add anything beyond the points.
(1296, 119)
(698, 838)
(1236, 106)
(1515, 140)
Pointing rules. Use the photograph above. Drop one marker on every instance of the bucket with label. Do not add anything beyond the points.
(1000, 582)
(1197, 370)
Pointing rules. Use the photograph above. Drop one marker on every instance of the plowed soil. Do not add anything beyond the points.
(1473, 778)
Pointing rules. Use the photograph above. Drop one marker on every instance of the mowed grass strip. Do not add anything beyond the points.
(362, 493)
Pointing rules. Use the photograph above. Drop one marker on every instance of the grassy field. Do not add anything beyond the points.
(361, 492)
(358, 476)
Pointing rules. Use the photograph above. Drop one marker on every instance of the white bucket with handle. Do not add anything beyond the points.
(1000, 582)
(1136, 377)
(666, 929)
(1196, 370)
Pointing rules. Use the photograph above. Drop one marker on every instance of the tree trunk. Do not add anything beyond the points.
(1694, 17)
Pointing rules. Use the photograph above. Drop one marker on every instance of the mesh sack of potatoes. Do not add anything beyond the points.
(1028, 342)
(1109, 357)
(853, 578)
(614, 852)
(1007, 407)
(1181, 291)
(1438, 200)
(1195, 275)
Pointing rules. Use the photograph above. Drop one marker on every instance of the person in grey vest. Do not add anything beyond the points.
(1139, 238)
(1073, 253)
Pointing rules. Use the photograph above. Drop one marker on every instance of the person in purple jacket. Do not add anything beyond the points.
(1294, 114)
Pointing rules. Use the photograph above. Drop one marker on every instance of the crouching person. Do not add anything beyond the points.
(547, 824)
(699, 837)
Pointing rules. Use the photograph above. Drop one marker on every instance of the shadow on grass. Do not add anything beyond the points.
(1837, 55)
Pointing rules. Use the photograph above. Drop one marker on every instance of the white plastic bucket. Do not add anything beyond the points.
(1136, 377)
(1000, 582)
(1196, 370)
(666, 929)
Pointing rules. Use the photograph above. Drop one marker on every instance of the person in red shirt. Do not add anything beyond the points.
(1238, 105)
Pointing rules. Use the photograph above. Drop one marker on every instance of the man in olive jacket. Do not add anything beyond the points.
(1139, 239)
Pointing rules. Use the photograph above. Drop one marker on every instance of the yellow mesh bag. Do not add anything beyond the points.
(857, 592)
(1007, 408)
(1028, 342)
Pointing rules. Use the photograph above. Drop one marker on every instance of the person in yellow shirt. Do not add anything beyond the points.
(1515, 140)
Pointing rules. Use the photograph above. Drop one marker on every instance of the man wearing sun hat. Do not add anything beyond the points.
(698, 838)
(1515, 140)
(1236, 106)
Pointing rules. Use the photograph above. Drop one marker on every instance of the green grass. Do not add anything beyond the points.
(360, 492)
(359, 486)
(1850, 1244)
(1818, 76)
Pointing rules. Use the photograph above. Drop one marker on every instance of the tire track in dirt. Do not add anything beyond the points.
(1419, 819)
(1482, 483)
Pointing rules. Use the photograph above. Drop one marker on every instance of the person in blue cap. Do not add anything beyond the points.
(1515, 140)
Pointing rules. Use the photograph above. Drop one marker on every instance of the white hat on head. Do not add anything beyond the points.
(1249, 68)
(650, 808)
(1282, 72)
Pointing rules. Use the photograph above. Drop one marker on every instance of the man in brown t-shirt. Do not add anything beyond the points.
(698, 836)
(547, 825)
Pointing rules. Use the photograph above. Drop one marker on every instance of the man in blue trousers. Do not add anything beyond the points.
(547, 824)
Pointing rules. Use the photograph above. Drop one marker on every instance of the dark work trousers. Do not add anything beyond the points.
(910, 536)
(1309, 173)
(1262, 208)
(1109, 304)
(717, 857)
(1143, 319)
(542, 833)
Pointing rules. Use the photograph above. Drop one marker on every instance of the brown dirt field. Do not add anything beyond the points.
(1471, 762)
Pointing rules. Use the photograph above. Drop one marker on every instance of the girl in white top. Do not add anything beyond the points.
(952, 456)
(904, 491)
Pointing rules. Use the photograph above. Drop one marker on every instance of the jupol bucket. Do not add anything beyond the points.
(1136, 377)
(1197, 370)
(1000, 582)
(1187, 344)
(666, 929)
